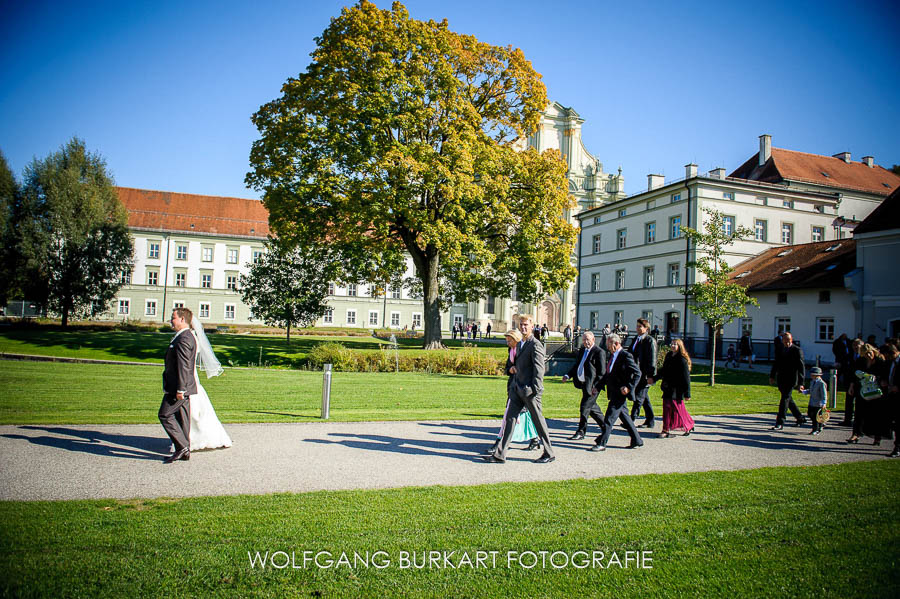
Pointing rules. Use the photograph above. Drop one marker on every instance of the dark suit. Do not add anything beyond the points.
(526, 392)
(178, 375)
(788, 370)
(893, 399)
(594, 370)
(622, 373)
(644, 351)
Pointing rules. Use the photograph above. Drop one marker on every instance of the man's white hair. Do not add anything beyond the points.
(614, 338)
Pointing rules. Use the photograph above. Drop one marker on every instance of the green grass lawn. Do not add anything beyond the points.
(827, 531)
(239, 350)
(64, 393)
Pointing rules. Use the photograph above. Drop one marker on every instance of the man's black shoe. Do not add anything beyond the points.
(578, 436)
(182, 454)
(800, 422)
(646, 424)
(598, 448)
(545, 459)
(635, 445)
(492, 459)
(777, 427)
(534, 444)
(895, 453)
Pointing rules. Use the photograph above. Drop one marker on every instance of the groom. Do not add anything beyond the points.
(179, 385)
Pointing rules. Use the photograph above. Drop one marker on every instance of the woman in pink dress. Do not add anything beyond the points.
(676, 389)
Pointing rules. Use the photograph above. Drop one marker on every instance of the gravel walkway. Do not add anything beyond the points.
(40, 462)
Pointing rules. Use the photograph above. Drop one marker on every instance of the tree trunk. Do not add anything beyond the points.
(428, 270)
(289, 332)
(65, 316)
(712, 362)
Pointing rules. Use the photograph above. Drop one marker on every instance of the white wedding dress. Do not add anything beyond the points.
(206, 430)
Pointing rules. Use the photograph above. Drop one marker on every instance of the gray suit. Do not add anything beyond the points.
(525, 392)
(178, 375)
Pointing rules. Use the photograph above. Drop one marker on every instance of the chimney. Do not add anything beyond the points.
(845, 156)
(765, 148)
(690, 170)
(718, 173)
(654, 181)
(869, 161)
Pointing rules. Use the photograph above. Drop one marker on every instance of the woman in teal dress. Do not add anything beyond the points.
(525, 430)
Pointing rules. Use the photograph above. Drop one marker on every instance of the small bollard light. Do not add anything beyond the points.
(832, 389)
(326, 392)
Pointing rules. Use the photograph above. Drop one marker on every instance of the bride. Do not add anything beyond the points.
(206, 430)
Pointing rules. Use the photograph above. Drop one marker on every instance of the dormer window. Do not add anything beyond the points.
(824, 174)
(790, 270)
(833, 247)
(743, 274)
(784, 253)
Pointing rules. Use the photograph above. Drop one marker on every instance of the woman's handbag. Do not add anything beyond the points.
(868, 386)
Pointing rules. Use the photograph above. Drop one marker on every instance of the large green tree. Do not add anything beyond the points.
(404, 137)
(288, 286)
(9, 197)
(716, 300)
(76, 229)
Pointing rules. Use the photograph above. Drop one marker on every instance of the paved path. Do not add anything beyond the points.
(125, 461)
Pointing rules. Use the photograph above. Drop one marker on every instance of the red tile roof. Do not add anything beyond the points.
(788, 165)
(805, 266)
(169, 211)
(886, 216)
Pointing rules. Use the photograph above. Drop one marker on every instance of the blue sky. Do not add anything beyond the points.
(165, 90)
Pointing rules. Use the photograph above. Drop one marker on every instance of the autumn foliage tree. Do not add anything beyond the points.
(403, 137)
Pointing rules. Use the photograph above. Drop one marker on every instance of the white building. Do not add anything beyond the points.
(633, 255)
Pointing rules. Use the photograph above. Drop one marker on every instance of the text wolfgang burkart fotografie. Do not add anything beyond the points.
(446, 559)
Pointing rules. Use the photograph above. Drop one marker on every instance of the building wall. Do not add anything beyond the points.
(876, 285)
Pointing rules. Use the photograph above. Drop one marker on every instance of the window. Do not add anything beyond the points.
(125, 277)
(818, 234)
(373, 317)
(825, 296)
(825, 329)
(177, 305)
(620, 279)
(417, 321)
(257, 256)
(594, 318)
(395, 319)
(782, 297)
(651, 204)
(760, 230)
(207, 253)
(597, 220)
(232, 256)
(181, 252)
(457, 319)
(180, 279)
(124, 305)
(728, 225)
(747, 326)
(153, 249)
(206, 281)
(782, 325)
(153, 277)
(622, 213)
(596, 244)
(619, 317)
(650, 233)
(728, 195)
(490, 305)
(674, 274)
(820, 208)
(787, 233)
(231, 282)
(351, 289)
(675, 227)
(788, 203)
(621, 235)
(204, 310)
(330, 288)
(395, 292)
(328, 317)
(676, 197)
(648, 276)
(150, 308)
(351, 316)
(595, 281)
(229, 311)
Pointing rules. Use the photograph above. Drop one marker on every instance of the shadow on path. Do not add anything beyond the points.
(98, 443)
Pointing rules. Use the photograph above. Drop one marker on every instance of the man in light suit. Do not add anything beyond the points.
(179, 385)
(586, 374)
(527, 388)
(643, 350)
(622, 376)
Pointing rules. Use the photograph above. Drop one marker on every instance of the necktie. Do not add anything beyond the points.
(581, 366)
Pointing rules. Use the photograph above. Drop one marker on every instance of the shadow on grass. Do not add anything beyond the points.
(98, 443)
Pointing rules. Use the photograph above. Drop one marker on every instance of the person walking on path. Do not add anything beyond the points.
(644, 351)
(817, 392)
(178, 385)
(622, 376)
(524, 430)
(528, 387)
(788, 372)
(746, 349)
(892, 386)
(586, 374)
(676, 389)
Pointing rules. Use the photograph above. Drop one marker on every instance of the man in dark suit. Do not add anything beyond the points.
(179, 385)
(586, 374)
(622, 375)
(892, 394)
(788, 372)
(527, 388)
(643, 350)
